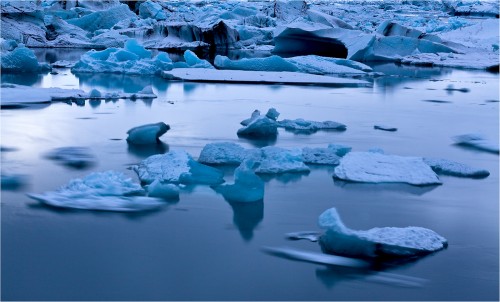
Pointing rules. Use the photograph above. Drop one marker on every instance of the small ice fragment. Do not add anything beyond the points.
(340, 150)
(94, 94)
(272, 114)
(146, 90)
(377, 242)
(448, 167)
(381, 168)
(75, 157)
(385, 128)
(147, 134)
(305, 126)
(320, 156)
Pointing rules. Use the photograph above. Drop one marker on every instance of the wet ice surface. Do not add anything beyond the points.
(193, 248)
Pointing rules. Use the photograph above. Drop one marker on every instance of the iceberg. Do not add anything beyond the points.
(177, 167)
(20, 59)
(275, 160)
(132, 59)
(104, 19)
(373, 167)
(147, 134)
(74, 157)
(306, 126)
(377, 242)
(260, 127)
(247, 186)
(153, 10)
(448, 167)
(102, 191)
(476, 141)
(163, 190)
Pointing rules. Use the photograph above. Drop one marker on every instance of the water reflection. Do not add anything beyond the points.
(259, 143)
(120, 82)
(27, 79)
(284, 178)
(247, 216)
(144, 151)
(397, 187)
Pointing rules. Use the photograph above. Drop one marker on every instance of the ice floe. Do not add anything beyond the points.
(448, 167)
(324, 156)
(19, 95)
(377, 242)
(177, 167)
(373, 167)
(258, 77)
(247, 186)
(103, 191)
(74, 157)
(16, 58)
(147, 134)
(163, 190)
(476, 141)
(224, 153)
(275, 160)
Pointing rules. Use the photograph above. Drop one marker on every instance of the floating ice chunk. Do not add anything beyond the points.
(273, 63)
(385, 128)
(301, 125)
(19, 96)
(448, 167)
(382, 168)
(276, 160)
(222, 153)
(177, 167)
(377, 242)
(260, 127)
(147, 134)
(325, 65)
(148, 90)
(21, 60)
(134, 47)
(476, 141)
(74, 157)
(150, 9)
(258, 77)
(194, 62)
(163, 190)
(104, 191)
(247, 187)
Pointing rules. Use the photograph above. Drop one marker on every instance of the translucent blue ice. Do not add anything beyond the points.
(377, 242)
(147, 134)
(150, 9)
(20, 59)
(194, 62)
(247, 186)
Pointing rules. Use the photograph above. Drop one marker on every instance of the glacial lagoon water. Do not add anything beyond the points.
(205, 248)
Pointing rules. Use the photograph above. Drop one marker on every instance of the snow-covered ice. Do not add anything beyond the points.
(377, 242)
(19, 95)
(177, 167)
(382, 168)
(276, 160)
(147, 134)
(247, 186)
(224, 153)
(476, 141)
(74, 157)
(257, 77)
(104, 191)
(448, 167)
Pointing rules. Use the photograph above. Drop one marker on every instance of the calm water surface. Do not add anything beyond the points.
(204, 248)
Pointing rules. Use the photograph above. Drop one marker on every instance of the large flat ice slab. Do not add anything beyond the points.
(103, 191)
(377, 242)
(18, 95)
(257, 77)
(373, 167)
